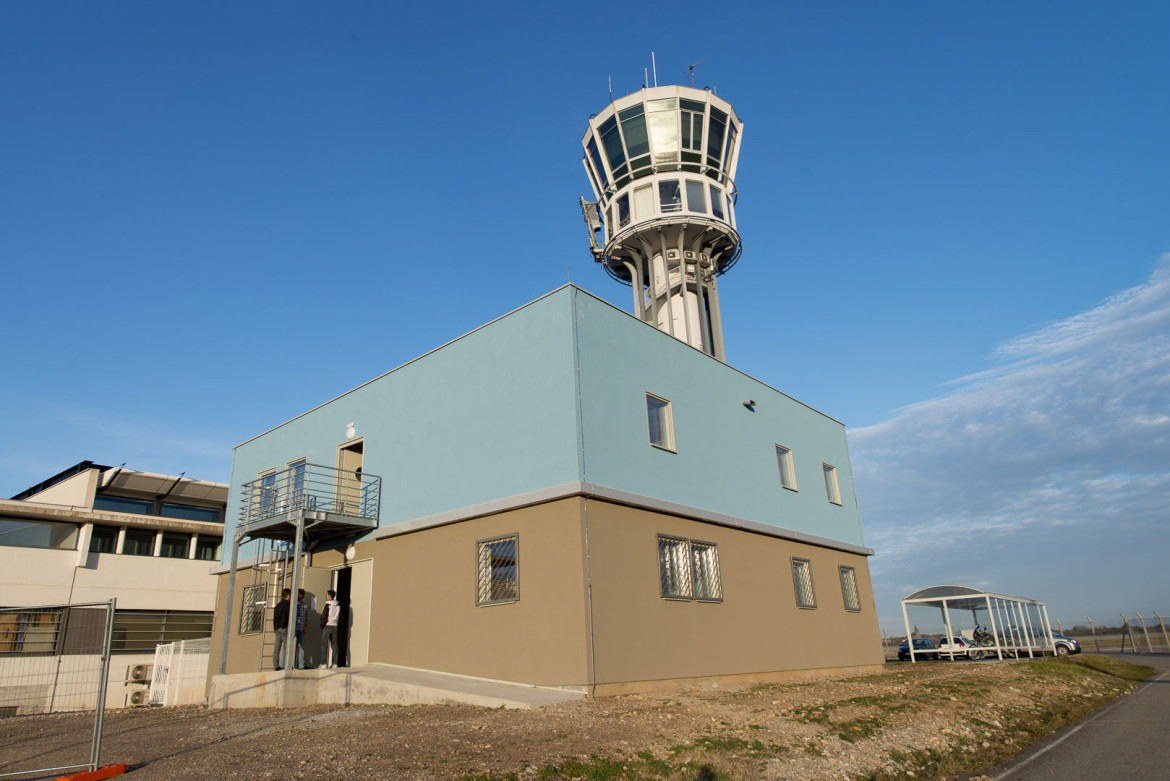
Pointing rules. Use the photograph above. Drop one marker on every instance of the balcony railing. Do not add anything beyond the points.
(311, 487)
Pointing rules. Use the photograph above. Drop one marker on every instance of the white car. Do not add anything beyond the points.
(960, 647)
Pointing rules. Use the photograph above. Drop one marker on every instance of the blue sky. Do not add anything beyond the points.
(214, 216)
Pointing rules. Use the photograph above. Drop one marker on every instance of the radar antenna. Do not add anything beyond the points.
(692, 69)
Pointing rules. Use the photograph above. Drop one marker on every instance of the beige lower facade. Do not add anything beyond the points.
(589, 615)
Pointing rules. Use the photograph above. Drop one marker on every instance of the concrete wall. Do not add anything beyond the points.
(37, 576)
(757, 628)
(75, 491)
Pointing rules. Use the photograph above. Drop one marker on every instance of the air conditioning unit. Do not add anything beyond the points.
(140, 697)
(139, 673)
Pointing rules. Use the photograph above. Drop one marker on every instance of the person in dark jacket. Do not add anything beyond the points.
(280, 627)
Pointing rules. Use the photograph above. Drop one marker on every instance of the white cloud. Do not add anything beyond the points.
(1048, 476)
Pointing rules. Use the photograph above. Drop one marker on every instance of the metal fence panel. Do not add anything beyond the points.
(53, 659)
(180, 673)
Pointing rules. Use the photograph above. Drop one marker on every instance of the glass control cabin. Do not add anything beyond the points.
(662, 164)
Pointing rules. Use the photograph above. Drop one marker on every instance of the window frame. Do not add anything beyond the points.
(786, 458)
(480, 600)
(669, 426)
(852, 589)
(687, 576)
(812, 589)
(833, 490)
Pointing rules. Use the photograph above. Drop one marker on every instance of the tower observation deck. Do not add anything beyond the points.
(662, 165)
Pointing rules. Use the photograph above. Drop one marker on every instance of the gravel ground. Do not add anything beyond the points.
(878, 726)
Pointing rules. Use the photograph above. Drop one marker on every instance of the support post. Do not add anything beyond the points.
(1149, 648)
(1162, 624)
(290, 641)
(231, 598)
(1093, 632)
(95, 753)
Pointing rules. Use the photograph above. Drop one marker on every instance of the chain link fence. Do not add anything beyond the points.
(54, 659)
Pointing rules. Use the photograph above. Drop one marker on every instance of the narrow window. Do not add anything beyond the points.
(661, 422)
(705, 571)
(831, 488)
(696, 200)
(802, 580)
(787, 472)
(207, 548)
(716, 202)
(849, 589)
(674, 568)
(689, 569)
(623, 207)
(252, 610)
(497, 570)
(643, 202)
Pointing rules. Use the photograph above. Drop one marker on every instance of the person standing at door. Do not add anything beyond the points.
(280, 628)
(302, 622)
(330, 617)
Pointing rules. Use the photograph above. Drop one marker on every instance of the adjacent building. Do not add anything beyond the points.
(95, 532)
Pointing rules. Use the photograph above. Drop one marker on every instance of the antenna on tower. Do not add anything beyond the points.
(692, 69)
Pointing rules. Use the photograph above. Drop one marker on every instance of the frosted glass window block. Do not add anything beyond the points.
(849, 589)
(831, 488)
(643, 202)
(696, 198)
(664, 135)
(787, 472)
(658, 416)
(803, 583)
(705, 564)
(498, 575)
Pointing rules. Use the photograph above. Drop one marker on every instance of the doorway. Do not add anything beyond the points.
(350, 457)
(354, 587)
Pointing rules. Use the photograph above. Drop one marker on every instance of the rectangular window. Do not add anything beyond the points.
(849, 589)
(207, 548)
(29, 632)
(661, 422)
(175, 546)
(696, 200)
(643, 202)
(787, 471)
(190, 512)
(623, 207)
(139, 542)
(802, 580)
(669, 196)
(104, 539)
(142, 630)
(497, 570)
(689, 569)
(122, 504)
(716, 201)
(38, 534)
(252, 610)
(831, 488)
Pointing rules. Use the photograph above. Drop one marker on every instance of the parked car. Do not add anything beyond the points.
(1066, 645)
(960, 647)
(924, 648)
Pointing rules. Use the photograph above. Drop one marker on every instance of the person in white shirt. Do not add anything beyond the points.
(330, 617)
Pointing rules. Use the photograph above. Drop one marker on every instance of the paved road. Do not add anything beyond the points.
(1128, 739)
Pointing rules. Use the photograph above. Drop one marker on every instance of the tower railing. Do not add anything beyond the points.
(311, 487)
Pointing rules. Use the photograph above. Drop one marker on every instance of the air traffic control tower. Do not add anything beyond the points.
(662, 164)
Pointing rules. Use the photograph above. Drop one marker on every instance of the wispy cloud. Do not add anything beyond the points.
(1047, 476)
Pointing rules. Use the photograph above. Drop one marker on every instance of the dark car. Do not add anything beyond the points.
(1066, 645)
(924, 648)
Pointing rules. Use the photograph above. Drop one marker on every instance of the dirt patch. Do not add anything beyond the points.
(932, 719)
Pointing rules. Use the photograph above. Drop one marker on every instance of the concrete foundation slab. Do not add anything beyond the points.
(374, 684)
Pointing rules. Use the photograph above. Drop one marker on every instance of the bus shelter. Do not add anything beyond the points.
(1002, 626)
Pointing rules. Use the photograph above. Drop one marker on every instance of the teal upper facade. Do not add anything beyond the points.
(553, 395)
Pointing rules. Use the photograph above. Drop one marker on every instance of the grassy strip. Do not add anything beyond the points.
(712, 756)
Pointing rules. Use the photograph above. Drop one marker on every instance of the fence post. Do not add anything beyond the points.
(1093, 631)
(96, 752)
(1126, 632)
(1162, 624)
(1149, 648)
(1059, 627)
